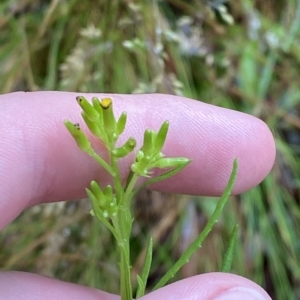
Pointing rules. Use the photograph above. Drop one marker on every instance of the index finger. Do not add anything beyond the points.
(40, 161)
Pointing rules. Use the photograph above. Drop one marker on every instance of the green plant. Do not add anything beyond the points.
(111, 205)
(228, 66)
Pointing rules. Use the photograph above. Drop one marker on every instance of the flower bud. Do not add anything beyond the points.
(108, 116)
(93, 127)
(80, 138)
(95, 188)
(135, 168)
(141, 166)
(125, 149)
(96, 209)
(108, 192)
(161, 137)
(171, 162)
(140, 154)
(90, 111)
(149, 136)
(106, 103)
(121, 123)
(99, 109)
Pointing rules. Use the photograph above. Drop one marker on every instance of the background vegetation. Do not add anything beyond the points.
(244, 55)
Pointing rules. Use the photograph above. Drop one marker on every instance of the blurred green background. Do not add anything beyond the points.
(243, 55)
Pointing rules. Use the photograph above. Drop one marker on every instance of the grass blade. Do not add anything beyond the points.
(228, 257)
(142, 280)
(198, 242)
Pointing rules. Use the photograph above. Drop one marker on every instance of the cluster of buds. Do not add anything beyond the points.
(111, 205)
(150, 155)
(104, 202)
(100, 119)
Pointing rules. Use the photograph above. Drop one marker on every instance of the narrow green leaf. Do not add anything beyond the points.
(126, 289)
(248, 70)
(163, 176)
(141, 287)
(228, 257)
(266, 75)
(293, 31)
(145, 272)
(199, 240)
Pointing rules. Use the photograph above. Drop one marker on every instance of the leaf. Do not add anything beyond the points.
(142, 280)
(141, 287)
(199, 240)
(163, 176)
(228, 257)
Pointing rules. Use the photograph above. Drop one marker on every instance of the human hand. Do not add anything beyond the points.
(40, 163)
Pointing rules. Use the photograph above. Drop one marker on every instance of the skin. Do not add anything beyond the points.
(40, 162)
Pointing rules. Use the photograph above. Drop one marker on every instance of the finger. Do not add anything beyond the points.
(40, 161)
(21, 285)
(211, 286)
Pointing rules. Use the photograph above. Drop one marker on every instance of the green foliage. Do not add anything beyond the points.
(228, 257)
(112, 205)
(142, 280)
(176, 47)
(207, 229)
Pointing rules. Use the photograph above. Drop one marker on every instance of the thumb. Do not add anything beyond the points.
(211, 286)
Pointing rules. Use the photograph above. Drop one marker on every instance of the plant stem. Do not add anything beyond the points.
(122, 225)
(125, 279)
(129, 189)
(102, 162)
(117, 179)
(207, 229)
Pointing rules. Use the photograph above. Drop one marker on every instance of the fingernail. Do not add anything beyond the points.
(239, 293)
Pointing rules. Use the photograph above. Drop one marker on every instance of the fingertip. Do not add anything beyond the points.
(212, 137)
(54, 169)
(21, 285)
(256, 157)
(211, 286)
